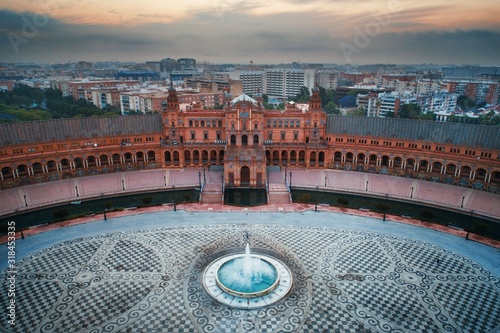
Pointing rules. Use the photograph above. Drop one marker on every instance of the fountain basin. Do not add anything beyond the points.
(242, 298)
(261, 278)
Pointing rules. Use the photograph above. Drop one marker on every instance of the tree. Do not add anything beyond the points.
(303, 96)
(409, 111)
(489, 119)
(327, 96)
(331, 108)
(360, 112)
(465, 102)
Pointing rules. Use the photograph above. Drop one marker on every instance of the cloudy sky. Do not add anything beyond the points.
(265, 31)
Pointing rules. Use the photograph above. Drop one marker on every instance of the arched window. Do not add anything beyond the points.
(190, 123)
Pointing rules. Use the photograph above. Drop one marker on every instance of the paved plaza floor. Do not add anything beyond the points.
(142, 273)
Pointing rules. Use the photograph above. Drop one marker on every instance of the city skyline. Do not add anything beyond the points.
(237, 31)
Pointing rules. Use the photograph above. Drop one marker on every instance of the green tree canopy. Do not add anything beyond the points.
(331, 108)
(409, 111)
(465, 102)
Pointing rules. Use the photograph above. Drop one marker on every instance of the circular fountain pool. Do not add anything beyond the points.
(247, 281)
(247, 277)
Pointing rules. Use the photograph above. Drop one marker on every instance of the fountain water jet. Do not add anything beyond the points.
(247, 280)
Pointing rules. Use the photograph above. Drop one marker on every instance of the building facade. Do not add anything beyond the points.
(245, 138)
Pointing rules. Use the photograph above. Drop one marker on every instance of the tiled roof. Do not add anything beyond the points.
(77, 128)
(421, 130)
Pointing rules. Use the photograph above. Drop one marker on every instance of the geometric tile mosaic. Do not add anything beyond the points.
(344, 281)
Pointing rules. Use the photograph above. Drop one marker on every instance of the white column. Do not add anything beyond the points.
(1, 175)
(472, 175)
(458, 173)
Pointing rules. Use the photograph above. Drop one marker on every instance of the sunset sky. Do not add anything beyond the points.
(272, 31)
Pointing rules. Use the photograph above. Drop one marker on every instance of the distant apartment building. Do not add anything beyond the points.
(427, 86)
(478, 91)
(440, 102)
(357, 78)
(252, 82)
(186, 63)
(103, 98)
(6, 85)
(141, 76)
(202, 85)
(76, 89)
(285, 82)
(145, 101)
(279, 82)
(470, 72)
(383, 104)
(328, 79)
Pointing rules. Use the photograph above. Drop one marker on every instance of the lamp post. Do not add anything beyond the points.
(316, 204)
(285, 171)
(175, 199)
(199, 179)
(103, 207)
(290, 180)
(222, 182)
(385, 206)
(325, 180)
(204, 179)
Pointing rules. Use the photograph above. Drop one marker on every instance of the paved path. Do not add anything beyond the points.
(449, 196)
(141, 273)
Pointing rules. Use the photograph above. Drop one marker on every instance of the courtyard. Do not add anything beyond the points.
(142, 273)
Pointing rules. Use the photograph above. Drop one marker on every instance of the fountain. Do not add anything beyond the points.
(247, 280)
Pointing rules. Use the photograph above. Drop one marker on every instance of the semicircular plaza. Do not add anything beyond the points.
(142, 273)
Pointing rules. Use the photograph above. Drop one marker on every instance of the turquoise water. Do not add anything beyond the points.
(247, 277)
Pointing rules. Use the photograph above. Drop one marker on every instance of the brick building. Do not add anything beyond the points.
(245, 138)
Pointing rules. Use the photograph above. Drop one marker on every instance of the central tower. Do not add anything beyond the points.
(245, 158)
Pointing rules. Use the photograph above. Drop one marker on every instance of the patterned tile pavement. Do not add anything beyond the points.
(345, 280)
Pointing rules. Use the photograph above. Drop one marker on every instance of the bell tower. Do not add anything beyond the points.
(170, 117)
(317, 118)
